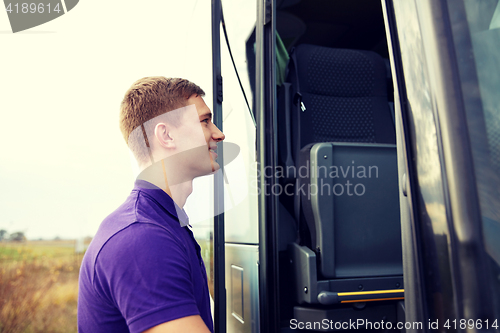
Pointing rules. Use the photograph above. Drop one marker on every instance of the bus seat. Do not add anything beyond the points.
(339, 95)
(333, 95)
(350, 202)
(339, 118)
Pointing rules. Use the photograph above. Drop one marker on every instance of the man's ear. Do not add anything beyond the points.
(164, 135)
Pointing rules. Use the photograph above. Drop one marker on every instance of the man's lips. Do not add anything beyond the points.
(212, 150)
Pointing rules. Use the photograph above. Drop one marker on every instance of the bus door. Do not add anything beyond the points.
(329, 151)
(235, 91)
(446, 65)
(311, 205)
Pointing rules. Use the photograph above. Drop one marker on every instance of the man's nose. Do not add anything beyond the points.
(217, 135)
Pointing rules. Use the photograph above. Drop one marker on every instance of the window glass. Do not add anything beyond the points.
(241, 35)
(478, 57)
(240, 167)
(435, 240)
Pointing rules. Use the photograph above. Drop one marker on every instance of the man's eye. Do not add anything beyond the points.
(205, 121)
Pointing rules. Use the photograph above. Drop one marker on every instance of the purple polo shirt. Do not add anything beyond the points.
(142, 268)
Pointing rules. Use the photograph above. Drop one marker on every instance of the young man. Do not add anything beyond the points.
(143, 271)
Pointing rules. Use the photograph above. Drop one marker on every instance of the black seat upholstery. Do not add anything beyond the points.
(351, 206)
(346, 94)
(335, 114)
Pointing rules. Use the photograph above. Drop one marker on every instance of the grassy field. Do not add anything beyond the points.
(38, 286)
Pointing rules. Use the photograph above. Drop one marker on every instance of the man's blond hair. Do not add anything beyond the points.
(149, 98)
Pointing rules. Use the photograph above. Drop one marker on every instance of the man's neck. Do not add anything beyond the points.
(180, 192)
(159, 176)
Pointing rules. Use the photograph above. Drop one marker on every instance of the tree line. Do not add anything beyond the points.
(17, 236)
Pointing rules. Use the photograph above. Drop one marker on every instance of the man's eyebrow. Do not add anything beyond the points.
(209, 114)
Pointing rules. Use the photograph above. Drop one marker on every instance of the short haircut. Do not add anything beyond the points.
(149, 98)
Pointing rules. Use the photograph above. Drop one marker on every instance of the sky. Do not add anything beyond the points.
(64, 165)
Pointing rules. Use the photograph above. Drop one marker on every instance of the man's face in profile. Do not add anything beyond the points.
(196, 139)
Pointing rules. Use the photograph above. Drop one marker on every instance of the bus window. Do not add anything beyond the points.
(435, 231)
(476, 44)
(238, 124)
(239, 33)
(240, 185)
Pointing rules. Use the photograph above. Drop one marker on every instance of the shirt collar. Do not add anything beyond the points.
(164, 200)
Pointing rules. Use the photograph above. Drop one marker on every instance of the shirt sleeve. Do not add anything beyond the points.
(145, 271)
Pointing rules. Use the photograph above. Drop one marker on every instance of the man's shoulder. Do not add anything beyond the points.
(138, 208)
(137, 222)
(121, 218)
(138, 239)
(121, 272)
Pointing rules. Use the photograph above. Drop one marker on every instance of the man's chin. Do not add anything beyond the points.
(215, 168)
(212, 169)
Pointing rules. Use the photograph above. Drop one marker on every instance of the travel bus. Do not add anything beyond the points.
(360, 189)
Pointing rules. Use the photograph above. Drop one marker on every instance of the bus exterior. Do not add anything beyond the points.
(365, 192)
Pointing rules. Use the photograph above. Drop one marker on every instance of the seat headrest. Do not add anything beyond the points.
(340, 72)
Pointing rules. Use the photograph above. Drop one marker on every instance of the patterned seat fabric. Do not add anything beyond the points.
(345, 97)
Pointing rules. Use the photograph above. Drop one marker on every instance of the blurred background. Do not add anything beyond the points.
(64, 165)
